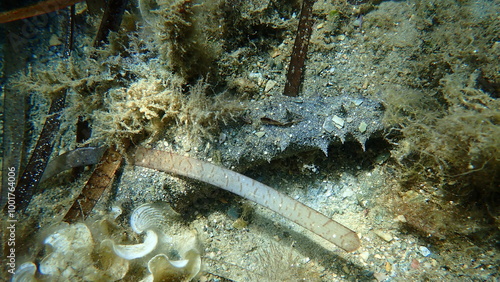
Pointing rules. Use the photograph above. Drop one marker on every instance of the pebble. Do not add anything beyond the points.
(54, 40)
(364, 255)
(338, 121)
(380, 276)
(385, 236)
(260, 133)
(357, 102)
(328, 125)
(388, 267)
(362, 127)
(269, 85)
(424, 251)
(347, 193)
(401, 218)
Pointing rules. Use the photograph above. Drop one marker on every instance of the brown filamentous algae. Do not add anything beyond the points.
(250, 189)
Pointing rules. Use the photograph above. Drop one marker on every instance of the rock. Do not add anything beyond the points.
(424, 251)
(385, 236)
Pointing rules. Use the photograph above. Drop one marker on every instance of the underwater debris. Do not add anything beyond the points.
(75, 158)
(111, 21)
(299, 53)
(250, 189)
(37, 9)
(29, 180)
(96, 185)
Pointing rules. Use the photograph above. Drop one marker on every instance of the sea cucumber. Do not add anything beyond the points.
(252, 190)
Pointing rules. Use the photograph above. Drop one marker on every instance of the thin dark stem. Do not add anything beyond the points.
(299, 53)
(29, 180)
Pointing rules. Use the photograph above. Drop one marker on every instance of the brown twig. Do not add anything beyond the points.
(294, 75)
(37, 9)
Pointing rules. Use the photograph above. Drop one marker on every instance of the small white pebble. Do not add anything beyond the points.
(260, 133)
(401, 218)
(338, 121)
(424, 251)
(269, 85)
(385, 236)
(364, 255)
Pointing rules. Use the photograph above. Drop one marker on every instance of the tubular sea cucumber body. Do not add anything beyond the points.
(252, 190)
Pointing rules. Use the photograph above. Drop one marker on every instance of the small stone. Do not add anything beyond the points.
(385, 236)
(424, 251)
(305, 260)
(338, 121)
(388, 266)
(275, 53)
(362, 127)
(401, 218)
(346, 269)
(240, 223)
(357, 23)
(347, 193)
(364, 255)
(357, 102)
(256, 76)
(415, 264)
(54, 40)
(328, 125)
(260, 133)
(269, 85)
(380, 276)
(496, 46)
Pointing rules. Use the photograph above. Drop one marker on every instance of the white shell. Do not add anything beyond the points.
(138, 250)
(25, 273)
(150, 216)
